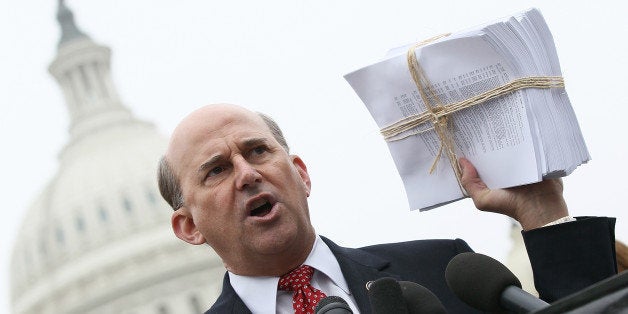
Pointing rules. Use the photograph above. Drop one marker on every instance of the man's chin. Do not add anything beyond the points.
(282, 243)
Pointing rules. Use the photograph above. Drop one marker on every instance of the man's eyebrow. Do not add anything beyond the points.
(208, 164)
(247, 143)
(251, 142)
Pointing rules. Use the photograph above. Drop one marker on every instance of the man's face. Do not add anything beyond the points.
(243, 194)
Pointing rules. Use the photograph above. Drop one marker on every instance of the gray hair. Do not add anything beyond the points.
(169, 185)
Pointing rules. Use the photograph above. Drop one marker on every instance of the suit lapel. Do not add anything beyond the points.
(239, 307)
(228, 301)
(359, 267)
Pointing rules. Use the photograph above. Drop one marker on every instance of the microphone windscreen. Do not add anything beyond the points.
(420, 299)
(479, 280)
(332, 305)
(385, 296)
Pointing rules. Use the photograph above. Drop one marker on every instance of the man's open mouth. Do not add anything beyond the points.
(261, 210)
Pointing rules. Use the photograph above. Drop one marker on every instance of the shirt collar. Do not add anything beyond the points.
(323, 260)
(260, 292)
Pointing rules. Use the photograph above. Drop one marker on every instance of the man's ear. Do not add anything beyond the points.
(184, 227)
(302, 169)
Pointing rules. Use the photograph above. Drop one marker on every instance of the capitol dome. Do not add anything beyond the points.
(98, 238)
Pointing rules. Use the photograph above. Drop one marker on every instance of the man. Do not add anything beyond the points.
(229, 177)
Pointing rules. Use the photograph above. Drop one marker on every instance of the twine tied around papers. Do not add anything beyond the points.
(438, 114)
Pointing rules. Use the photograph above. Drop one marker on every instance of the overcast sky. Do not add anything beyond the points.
(287, 58)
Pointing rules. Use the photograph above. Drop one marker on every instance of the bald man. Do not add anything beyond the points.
(233, 184)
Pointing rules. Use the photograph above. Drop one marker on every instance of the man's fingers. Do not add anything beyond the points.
(471, 180)
(533, 205)
(483, 198)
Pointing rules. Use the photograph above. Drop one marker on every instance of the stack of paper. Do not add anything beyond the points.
(517, 138)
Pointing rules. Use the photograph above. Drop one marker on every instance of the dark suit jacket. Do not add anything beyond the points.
(565, 259)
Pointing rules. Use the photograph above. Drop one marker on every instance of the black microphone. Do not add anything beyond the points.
(332, 305)
(486, 284)
(386, 297)
(420, 300)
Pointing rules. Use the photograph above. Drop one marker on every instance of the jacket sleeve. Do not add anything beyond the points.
(569, 257)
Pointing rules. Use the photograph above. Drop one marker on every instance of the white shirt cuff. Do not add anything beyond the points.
(560, 221)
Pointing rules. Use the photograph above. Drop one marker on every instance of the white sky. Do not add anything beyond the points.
(287, 58)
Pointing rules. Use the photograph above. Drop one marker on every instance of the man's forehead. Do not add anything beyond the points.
(213, 123)
(216, 116)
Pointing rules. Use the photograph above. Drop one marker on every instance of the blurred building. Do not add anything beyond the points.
(98, 239)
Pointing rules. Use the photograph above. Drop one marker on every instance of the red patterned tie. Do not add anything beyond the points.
(305, 296)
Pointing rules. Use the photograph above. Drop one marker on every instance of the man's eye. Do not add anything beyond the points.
(215, 171)
(259, 150)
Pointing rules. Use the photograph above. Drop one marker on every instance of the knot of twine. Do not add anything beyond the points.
(438, 114)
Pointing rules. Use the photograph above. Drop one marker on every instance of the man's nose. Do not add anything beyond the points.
(246, 174)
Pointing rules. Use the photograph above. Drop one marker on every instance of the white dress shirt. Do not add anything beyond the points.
(260, 294)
